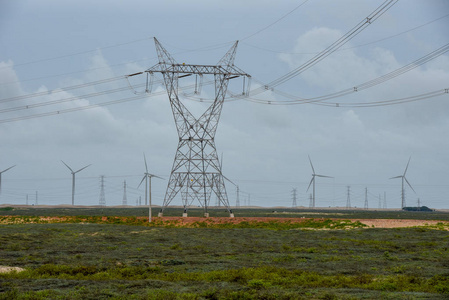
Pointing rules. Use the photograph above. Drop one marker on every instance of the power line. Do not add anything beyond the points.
(356, 46)
(333, 47)
(78, 53)
(368, 84)
(275, 22)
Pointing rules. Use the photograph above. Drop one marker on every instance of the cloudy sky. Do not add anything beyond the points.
(74, 54)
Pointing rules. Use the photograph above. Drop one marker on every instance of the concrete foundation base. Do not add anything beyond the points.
(160, 214)
(184, 215)
(231, 215)
(206, 215)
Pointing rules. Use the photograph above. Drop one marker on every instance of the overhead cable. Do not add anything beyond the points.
(277, 21)
(356, 46)
(332, 48)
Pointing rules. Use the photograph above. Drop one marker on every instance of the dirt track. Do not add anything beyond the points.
(377, 223)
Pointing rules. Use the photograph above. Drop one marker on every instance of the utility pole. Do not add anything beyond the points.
(348, 198)
(366, 198)
(385, 200)
(102, 201)
(26, 200)
(380, 202)
(36, 203)
(196, 171)
(294, 204)
(125, 200)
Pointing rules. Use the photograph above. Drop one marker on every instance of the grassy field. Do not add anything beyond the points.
(241, 212)
(107, 260)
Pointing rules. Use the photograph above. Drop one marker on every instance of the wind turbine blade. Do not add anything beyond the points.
(409, 184)
(145, 159)
(82, 168)
(407, 165)
(400, 176)
(7, 169)
(324, 176)
(67, 166)
(313, 178)
(145, 176)
(313, 170)
(152, 175)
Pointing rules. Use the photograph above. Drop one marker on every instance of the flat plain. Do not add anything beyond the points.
(114, 253)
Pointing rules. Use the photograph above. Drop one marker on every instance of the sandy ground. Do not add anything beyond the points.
(5, 269)
(396, 223)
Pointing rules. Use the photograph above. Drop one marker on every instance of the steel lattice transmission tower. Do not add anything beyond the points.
(196, 171)
(125, 199)
(102, 200)
(294, 204)
(348, 197)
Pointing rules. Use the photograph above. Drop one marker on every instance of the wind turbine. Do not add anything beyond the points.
(404, 179)
(73, 180)
(147, 186)
(313, 181)
(1, 172)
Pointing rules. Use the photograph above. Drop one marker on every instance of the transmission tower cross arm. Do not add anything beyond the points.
(197, 69)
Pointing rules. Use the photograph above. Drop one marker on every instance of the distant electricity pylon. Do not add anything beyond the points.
(237, 201)
(73, 180)
(348, 198)
(294, 204)
(366, 198)
(313, 181)
(196, 171)
(102, 201)
(1, 176)
(403, 186)
(125, 200)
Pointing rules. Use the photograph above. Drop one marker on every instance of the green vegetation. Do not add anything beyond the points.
(100, 257)
(97, 253)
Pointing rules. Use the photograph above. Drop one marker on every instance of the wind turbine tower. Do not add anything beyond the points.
(313, 182)
(73, 180)
(1, 172)
(196, 171)
(403, 178)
